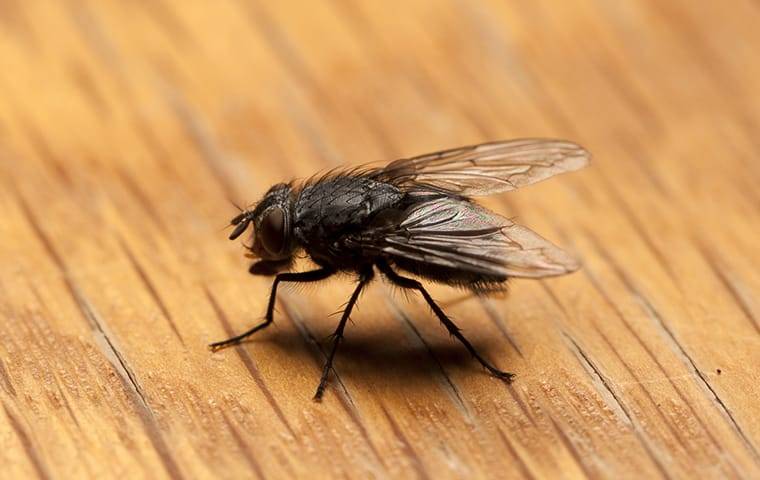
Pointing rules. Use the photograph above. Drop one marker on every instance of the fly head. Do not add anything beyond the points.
(272, 238)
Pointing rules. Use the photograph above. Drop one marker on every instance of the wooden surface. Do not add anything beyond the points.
(126, 128)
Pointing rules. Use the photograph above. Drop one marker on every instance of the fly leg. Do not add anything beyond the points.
(364, 279)
(413, 284)
(310, 276)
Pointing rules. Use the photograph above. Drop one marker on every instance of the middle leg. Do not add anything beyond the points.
(364, 278)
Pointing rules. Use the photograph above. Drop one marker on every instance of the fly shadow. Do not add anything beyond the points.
(416, 362)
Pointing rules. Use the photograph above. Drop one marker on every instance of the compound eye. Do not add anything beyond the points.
(272, 231)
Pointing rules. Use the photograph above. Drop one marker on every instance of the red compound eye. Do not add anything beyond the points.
(272, 231)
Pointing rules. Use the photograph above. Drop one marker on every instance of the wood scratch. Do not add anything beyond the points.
(344, 398)
(605, 296)
(40, 467)
(641, 436)
(450, 387)
(617, 400)
(249, 364)
(498, 321)
(125, 374)
(129, 381)
(640, 229)
(570, 447)
(64, 398)
(152, 291)
(654, 315)
(406, 446)
(664, 419)
(521, 465)
(706, 383)
(45, 153)
(244, 449)
(6, 380)
(288, 56)
(200, 136)
(674, 430)
(728, 283)
(148, 208)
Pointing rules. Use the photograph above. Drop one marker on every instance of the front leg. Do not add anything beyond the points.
(310, 276)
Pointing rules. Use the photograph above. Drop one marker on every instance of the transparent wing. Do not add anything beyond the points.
(458, 234)
(487, 168)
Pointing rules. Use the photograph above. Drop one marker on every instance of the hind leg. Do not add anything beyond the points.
(413, 284)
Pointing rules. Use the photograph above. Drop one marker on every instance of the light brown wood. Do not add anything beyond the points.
(127, 127)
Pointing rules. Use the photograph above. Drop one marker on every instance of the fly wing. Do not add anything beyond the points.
(487, 168)
(458, 234)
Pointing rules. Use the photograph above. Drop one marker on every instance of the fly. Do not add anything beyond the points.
(413, 216)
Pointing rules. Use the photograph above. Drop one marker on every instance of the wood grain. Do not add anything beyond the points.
(126, 128)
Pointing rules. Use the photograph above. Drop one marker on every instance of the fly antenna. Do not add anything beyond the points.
(242, 221)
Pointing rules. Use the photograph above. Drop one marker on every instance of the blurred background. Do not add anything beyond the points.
(129, 129)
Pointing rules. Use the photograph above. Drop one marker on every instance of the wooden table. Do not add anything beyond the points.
(126, 128)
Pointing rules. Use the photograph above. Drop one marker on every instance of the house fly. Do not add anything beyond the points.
(414, 216)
